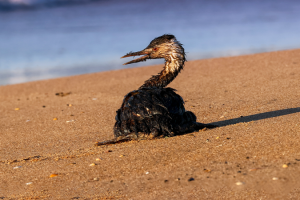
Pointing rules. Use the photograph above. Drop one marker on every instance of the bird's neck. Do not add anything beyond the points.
(173, 65)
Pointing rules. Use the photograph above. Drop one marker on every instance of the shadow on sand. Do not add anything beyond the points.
(257, 117)
(249, 118)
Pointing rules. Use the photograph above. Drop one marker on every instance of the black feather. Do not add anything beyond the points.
(159, 109)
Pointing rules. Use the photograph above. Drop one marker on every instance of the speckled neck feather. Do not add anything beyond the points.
(175, 58)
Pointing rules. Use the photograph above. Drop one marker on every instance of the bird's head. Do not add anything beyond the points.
(165, 46)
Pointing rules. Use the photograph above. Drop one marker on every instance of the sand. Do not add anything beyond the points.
(254, 154)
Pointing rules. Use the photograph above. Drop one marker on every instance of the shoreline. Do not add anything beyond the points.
(94, 68)
(254, 153)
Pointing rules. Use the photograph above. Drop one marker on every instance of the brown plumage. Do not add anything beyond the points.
(154, 110)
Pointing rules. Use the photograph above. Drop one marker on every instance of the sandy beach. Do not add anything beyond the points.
(48, 131)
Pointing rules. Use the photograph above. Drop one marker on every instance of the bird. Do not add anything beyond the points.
(154, 110)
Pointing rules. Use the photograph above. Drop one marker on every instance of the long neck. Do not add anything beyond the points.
(173, 65)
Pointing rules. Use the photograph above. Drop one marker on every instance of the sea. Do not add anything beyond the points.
(44, 39)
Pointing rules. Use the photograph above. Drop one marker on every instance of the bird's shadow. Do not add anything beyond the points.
(241, 119)
(257, 117)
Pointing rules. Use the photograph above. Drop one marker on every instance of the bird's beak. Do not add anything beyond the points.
(139, 53)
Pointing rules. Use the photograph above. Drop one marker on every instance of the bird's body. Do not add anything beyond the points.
(158, 111)
(154, 110)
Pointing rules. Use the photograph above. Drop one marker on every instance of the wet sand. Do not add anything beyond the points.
(47, 141)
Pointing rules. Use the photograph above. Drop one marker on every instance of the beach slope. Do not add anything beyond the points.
(48, 131)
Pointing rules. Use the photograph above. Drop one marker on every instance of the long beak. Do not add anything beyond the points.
(139, 53)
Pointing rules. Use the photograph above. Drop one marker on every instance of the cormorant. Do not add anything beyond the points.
(154, 109)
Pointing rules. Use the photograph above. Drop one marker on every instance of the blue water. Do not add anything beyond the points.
(42, 42)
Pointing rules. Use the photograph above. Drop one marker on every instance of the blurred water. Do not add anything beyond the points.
(42, 42)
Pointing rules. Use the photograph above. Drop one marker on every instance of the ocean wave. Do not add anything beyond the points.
(12, 5)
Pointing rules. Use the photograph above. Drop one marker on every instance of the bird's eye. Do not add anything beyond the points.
(155, 49)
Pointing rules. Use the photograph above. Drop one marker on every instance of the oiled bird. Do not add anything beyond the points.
(156, 110)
